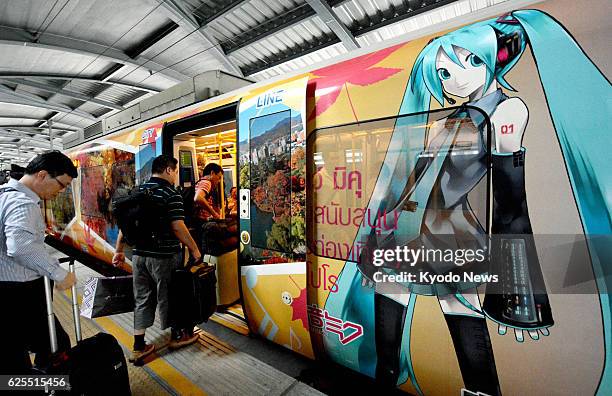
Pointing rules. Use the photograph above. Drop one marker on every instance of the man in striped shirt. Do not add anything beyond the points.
(153, 261)
(24, 261)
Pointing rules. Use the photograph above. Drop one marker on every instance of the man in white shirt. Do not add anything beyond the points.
(24, 261)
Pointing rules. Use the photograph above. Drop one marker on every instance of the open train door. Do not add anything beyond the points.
(210, 137)
(272, 201)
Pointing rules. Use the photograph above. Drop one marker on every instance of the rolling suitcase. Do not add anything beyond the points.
(193, 295)
(96, 365)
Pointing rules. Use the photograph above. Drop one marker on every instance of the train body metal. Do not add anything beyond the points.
(343, 170)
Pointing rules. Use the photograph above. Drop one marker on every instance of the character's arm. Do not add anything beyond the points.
(509, 122)
(519, 299)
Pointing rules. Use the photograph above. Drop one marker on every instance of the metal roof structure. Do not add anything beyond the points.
(67, 63)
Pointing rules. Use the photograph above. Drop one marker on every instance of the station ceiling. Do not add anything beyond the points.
(66, 63)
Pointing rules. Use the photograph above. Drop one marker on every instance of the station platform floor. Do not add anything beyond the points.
(208, 367)
(222, 362)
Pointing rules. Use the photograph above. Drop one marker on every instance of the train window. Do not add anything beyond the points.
(385, 181)
(270, 181)
(144, 160)
(92, 186)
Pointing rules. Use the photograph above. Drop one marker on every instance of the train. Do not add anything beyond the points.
(434, 213)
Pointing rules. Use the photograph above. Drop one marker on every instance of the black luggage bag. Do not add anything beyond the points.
(96, 365)
(193, 295)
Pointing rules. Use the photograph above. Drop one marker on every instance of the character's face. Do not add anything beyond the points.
(286, 297)
(461, 81)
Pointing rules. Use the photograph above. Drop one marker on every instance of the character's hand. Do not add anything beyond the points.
(519, 333)
(118, 258)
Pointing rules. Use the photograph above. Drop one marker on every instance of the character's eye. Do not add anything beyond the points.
(475, 60)
(444, 74)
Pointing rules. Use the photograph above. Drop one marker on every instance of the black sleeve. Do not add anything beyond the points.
(519, 297)
(510, 214)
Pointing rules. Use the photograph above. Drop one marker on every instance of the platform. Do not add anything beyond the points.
(208, 367)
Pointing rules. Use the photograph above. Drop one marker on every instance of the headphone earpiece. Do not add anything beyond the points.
(508, 48)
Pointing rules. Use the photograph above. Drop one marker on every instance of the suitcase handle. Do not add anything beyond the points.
(75, 308)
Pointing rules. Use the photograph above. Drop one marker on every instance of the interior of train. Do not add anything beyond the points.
(196, 143)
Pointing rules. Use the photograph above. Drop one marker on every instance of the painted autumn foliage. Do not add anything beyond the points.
(361, 71)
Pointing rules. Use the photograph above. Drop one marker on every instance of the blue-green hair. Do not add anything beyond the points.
(480, 39)
(577, 95)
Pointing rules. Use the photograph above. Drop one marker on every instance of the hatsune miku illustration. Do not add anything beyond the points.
(428, 191)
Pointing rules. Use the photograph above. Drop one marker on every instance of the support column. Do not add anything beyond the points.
(50, 123)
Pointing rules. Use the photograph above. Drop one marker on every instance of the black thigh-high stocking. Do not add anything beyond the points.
(474, 353)
(389, 317)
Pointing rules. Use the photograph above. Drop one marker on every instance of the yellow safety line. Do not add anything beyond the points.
(163, 369)
(179, 382)
(212, 341)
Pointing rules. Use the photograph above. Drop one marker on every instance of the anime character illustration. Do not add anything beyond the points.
(431, 202)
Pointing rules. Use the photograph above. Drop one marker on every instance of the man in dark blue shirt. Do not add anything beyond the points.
(154, 260)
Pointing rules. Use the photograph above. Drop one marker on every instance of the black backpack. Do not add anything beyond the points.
(139, 216)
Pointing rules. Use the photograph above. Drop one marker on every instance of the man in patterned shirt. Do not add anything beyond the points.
(153, 262)
(24, 261)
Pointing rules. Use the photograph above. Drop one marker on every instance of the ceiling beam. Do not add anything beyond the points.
(357, 29)
(28, 99)
(291, 53)
(207, 17)
(180, 14)
(7, 147)
(329, 17)
(394, 14)
(98, 80)
(63, 92)
(263, 30)
(32, 119)
(35, 129)
(33, 144)
(19, 37)
(41, 138)
(15, 153)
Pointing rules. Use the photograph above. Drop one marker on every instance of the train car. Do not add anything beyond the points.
(434, 214)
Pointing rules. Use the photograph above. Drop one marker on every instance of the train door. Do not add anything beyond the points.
(272, 213)
(205, 143)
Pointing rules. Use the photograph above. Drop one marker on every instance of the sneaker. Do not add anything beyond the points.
(184, 340)
(139, 355)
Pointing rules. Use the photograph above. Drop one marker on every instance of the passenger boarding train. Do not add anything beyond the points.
(482, 150)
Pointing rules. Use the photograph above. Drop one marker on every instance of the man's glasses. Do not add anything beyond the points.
(60, 183)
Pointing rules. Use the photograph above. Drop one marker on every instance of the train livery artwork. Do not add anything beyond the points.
(435, 214)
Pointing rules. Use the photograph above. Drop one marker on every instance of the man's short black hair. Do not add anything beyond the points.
(210, 168)
(54, 162)
(160, 163)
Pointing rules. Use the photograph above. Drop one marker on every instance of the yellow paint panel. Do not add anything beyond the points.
(270, 315)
